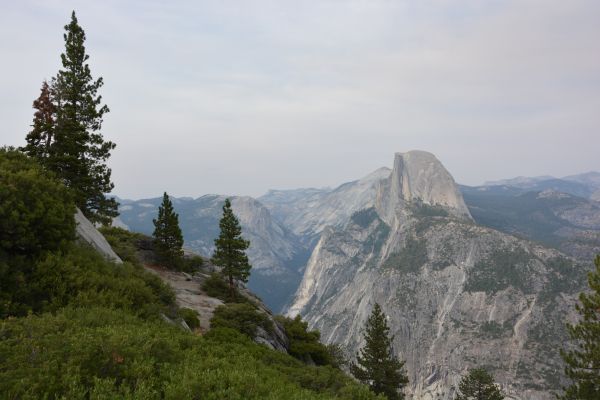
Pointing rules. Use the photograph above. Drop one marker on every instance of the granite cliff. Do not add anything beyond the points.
(458, 295)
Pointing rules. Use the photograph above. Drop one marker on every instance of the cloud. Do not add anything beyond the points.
(241, 96)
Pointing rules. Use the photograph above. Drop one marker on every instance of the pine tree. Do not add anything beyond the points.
(478, 385)
(376, 364)
(70, 143)
(41, 136)
(230, 249)
(168, 240)
(583, 363)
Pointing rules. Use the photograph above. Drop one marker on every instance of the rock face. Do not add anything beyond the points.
(87, 232)
(275, 252)
(418, 177)
(458, 295)
(308, 211)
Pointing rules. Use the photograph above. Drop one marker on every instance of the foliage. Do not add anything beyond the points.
(242, 317)
(168, 240)
(36, 211)
(77, 275)
(102, 353)
(305, 344)
(36, 216)
(502, 268)
(337, 355)
(583, 363)
(215, 286)
(41, 135)
(190, 317)
(422, 210)
(376, 364)
(365, 217)
(123, 242)
(411, 258)
(81, 277)
(478, 385)
(66, 134)
(192, 263)
(230, 248)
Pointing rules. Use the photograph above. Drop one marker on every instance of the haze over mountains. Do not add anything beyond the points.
(284, 225)
(468, 275)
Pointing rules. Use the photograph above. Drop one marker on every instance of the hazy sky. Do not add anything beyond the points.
(236, 97)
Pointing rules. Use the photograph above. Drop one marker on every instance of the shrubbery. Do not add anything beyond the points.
(215, 286)
(305, 344)
(190, 317)
(36, 210)
(102, 353)
(123, 242)
(242, 317)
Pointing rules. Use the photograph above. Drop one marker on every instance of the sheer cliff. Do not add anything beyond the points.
(458, 295)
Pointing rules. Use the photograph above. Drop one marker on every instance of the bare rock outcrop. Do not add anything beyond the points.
(88, 233)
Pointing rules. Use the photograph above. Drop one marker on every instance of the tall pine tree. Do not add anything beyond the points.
(73, 146)
(478, 385)
(583, 362)
(230, 251)
(168, 240)
(376, 364)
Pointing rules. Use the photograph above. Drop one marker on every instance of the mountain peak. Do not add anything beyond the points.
(419, 176)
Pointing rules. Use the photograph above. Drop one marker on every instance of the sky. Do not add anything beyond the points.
(238, 97)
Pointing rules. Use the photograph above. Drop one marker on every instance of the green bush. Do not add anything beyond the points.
(242, 317)
(190, 317)
(215, 286)
(81, 277)
(305, 344)
(36, 210)
(123, 242)
(192, 263)
(100, 353)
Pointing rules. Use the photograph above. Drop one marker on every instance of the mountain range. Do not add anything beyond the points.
(469, 276)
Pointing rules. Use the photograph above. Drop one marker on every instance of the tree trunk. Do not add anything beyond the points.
(231, 290)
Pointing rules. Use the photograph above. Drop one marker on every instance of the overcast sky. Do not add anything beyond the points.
(237, 97)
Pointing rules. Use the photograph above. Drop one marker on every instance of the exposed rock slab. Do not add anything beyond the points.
(87, 232)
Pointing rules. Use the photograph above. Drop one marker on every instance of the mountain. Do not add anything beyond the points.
(458, 295)
(583, 185)
(308, 211)
(275, 252)
(562, 220)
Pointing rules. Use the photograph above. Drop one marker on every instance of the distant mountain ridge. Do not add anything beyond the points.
(584, 185)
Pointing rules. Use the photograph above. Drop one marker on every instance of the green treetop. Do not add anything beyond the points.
(376, 364)
(478, 385)
(66, 130)
(168, 239)
(583, 362)
(230, 251)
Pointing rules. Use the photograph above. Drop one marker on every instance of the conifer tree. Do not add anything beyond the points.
(230, 251)
(583, 362)
(72, 146)
(376, 364)
(168, 240)
(478, 385)
(41, 135)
